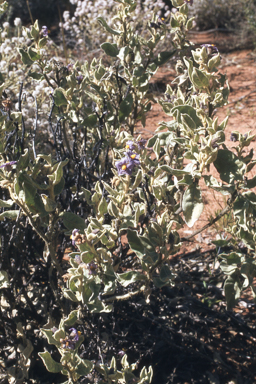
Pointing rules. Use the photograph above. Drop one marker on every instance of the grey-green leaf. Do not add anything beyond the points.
(72, 221)
(51, 365)
(4, 279)
(110, 49)
(192, 204)
(125, 107)
(105, 26)
(229, 166)
(59, 98)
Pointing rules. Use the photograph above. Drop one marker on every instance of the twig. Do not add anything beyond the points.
(242, 97)
(34, 131)
(126, 296)
(22, 118)
(62, 34)
(29, 11)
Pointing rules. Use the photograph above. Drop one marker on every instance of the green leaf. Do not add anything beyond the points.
(12, 215)
(110, 190)
(192, 204)
(113, 210)
(199, 79)
(188, 122)
(110, 49)
(106, 27)
(84, 367)
(214, 62)
(135, 243)
(49, 335)
(23, 161)
(36, 76)
(42, 42)
(232, 289)
(4, 280)
(162, 136)
(72, 221)
(34, 55)
(138, 179)
(220, 242)
(68, 294)
(58, 174)
(30, 193)
(125, 107)
(174, 172)
(251, 183)
(163, 57)
(229, 166)
(59, 98)
(103, 206)
(189, 111)
(59, 187)
(90, 121)
(25, 57)
(51, 365)
(6, 203)
(71, 319)
(130, 277)
(240, 208)
(157, 148)
(35, 30)
(49, 204)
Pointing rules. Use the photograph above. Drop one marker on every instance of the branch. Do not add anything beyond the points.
(126, 296)
(219, 216)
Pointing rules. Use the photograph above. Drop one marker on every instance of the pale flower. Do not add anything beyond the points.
(17, 22)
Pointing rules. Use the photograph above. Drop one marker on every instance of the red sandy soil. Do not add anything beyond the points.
(240, 68)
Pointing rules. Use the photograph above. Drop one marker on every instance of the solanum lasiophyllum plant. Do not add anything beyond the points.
(133, 195)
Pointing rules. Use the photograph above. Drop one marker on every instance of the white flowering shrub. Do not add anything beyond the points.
(82, 28)
(120, 198)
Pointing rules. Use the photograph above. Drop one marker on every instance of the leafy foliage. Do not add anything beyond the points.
(95, 181)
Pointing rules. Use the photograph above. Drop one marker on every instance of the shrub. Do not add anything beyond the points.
(95, 181)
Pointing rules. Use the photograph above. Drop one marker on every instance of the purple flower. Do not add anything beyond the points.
(124, 166)
(233, 137)
(190, 2)
(73, 236)
(130, 145)
(134, 158)
(92, 267)
(70, 341)
(8, 165)
(79, 79)
(74, 334)
(141, 143)
(210, 48)
(45, 30)
(78, 259)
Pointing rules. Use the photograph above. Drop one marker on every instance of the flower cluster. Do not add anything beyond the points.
(8, 165)
(211, 48)
(233, 137)
(70, 341)
(126, 165)
(76, 237)
(45, 30)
